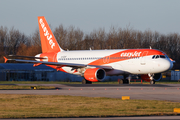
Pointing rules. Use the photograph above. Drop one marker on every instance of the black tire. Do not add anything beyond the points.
(125, 81)
(84, 81)
(88, 82)
(120, 81)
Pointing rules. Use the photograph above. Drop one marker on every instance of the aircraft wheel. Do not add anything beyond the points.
(125, 81)
(120, 81)
(84, 81)
(152, 82)
(88, 82)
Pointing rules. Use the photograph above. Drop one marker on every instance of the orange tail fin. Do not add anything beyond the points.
(48, 41)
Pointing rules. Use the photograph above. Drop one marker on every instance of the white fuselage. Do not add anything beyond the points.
(124, 64)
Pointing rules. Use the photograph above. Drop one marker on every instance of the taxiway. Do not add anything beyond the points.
(167, 92)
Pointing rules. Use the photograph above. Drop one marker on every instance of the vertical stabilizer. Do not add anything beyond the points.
(48, 41)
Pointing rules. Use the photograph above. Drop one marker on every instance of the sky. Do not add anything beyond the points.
(88, 15)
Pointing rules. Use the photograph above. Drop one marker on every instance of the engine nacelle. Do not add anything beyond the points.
(95, 74)
(148, 78)
(157, 77)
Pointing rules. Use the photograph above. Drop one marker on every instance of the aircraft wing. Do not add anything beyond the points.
(75, 65)
(16, 56)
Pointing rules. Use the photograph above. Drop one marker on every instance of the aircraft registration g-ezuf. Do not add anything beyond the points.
(95, 65)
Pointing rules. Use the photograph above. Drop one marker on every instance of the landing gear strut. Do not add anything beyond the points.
(84, 81)
(151, 78)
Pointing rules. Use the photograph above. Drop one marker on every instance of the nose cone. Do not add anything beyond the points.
(167, 64)
(171, 65)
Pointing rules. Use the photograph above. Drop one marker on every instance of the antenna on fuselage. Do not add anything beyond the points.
(90, 49)
(150, 47)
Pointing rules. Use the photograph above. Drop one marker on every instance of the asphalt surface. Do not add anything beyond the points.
(167, 92)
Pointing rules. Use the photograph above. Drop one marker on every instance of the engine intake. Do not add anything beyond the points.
(157, 77)
(95, 74)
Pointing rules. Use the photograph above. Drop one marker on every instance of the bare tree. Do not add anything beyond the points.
(60, 34)
(15, 38)
(3, 38)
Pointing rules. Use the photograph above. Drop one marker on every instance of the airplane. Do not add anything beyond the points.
(95, 65)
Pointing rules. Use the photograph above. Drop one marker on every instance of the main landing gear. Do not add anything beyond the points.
(125, 80)
(84, 81)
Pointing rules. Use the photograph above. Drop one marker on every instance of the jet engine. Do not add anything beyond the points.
(154, 77)
(95, 74)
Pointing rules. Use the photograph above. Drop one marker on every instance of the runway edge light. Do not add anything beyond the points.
(177, 110)
(125, 97)
(33, 87)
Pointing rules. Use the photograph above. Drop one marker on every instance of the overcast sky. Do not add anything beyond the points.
(156, 15)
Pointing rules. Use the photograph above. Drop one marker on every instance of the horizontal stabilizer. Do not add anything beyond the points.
(5, 59)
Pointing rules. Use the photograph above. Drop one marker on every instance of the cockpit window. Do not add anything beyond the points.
(162, 56)
(158, 56)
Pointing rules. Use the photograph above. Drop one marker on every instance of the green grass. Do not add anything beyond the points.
(35, 106)
(16, 87)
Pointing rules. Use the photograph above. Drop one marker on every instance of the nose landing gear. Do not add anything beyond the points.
(151, 78)
(152, 82)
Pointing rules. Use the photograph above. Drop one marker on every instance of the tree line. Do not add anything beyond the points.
(71, 38)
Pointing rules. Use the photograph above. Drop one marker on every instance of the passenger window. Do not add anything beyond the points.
(153, 57)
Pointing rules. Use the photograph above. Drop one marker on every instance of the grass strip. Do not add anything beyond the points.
(36, 106)
(16, 87)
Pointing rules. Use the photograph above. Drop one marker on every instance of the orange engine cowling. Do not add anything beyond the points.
(95, 74)
(156, 77)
